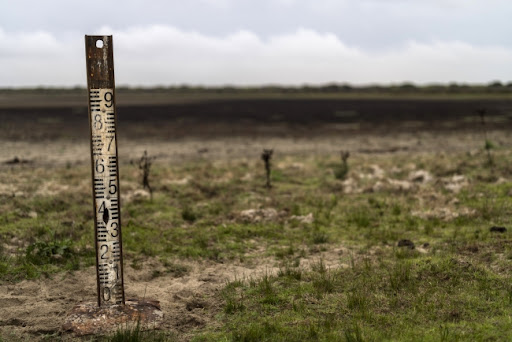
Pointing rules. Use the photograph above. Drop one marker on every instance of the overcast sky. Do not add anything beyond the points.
(254, 42)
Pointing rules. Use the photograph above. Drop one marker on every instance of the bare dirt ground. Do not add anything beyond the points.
(33, 309)
(36, 309)
(64, 152)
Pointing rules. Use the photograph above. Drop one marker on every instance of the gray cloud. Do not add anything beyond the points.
(370, 24)
(266, 41)
(161, 54)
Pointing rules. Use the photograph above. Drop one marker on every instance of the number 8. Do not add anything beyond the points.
(97, 122)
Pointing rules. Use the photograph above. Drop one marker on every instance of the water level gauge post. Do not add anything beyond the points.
(111, 311)
(105, 171)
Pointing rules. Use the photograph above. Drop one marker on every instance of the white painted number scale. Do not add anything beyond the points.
(105, 174)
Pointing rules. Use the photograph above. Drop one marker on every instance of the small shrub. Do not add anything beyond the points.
(137, 334)
(294, 273)
(40, 253)
(267, 291)
(357, 300)
(361, 217)
(400, 276)
(324, 283)
(266, 156)
(320, 237)
(188, 214)
(145, 163)
(488, 145)
(341, 171)
(396, 210)
(354, 334)
(177, 270)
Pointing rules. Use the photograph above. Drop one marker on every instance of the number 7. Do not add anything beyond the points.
(111, 140)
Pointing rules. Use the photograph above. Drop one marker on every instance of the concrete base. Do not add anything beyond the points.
(89, 319)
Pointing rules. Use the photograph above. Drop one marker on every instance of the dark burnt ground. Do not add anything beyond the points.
(262, 117)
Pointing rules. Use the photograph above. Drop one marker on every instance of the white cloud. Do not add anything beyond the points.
(166, 55)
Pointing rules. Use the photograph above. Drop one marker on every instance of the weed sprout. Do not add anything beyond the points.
(266, 156)
(341, 171)
(145, 163)
(488, 144)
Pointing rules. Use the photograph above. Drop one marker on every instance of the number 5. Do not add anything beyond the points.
(112, 188)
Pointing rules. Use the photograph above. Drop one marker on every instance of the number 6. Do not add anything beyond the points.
(100, 168)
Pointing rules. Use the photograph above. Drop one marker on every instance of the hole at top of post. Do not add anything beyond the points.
(99, 43)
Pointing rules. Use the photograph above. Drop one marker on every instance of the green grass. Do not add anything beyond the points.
(423, 298)
(454, 286)
(138, 334)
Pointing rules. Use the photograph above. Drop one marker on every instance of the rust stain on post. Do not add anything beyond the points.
(104, 166)
(100, 62)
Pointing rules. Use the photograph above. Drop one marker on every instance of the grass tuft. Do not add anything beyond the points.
(138, 334)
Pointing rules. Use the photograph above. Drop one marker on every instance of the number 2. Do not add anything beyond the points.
(106, 250)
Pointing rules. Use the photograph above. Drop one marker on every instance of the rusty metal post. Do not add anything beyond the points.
(105, 173)
(111, 311)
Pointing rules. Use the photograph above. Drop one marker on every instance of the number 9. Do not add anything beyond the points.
(108, 97)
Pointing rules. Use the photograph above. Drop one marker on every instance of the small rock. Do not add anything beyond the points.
(400, 185)
(455, 183)
(15, 322)
(377, 171)
(258, 215)
(454, 201)
(195, 304)
(350, 186)
(247, 177)
(379, 186)
(472, 248)
(183, 181)
(420, 176)
(304, 219)
(16, 160)
(406, 243)
(502, 180)
(141, 194)
(32, 214)
(496, 229)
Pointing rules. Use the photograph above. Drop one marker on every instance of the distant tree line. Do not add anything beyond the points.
(495, 87)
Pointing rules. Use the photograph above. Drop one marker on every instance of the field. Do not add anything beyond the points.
(409, 240)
